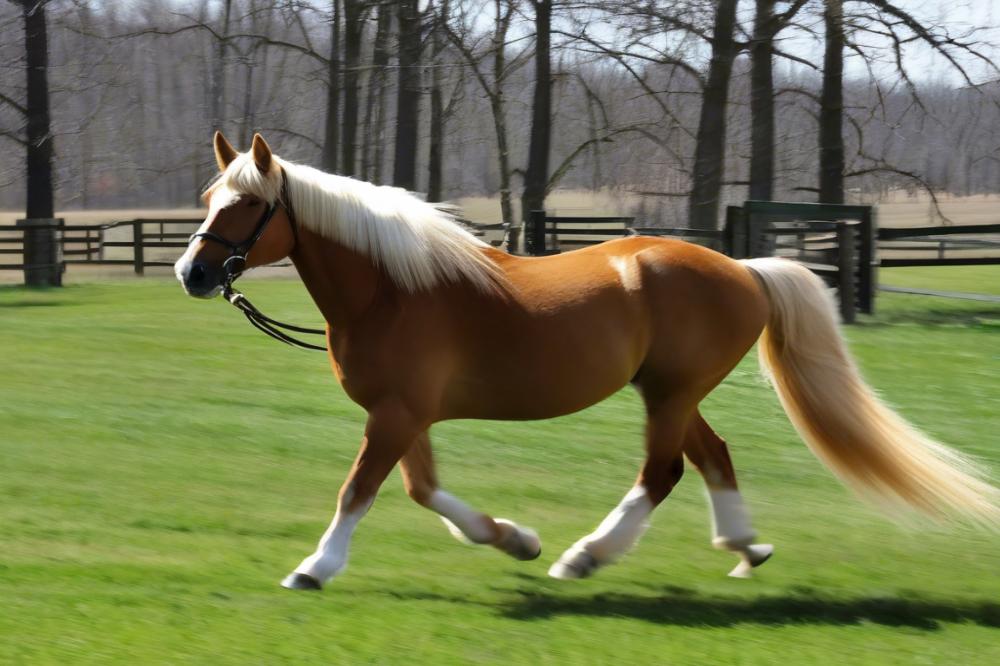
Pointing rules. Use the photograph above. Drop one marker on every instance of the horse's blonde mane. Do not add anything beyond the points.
(416, 244)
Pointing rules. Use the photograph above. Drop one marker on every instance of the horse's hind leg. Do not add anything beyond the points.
(731, 529)
(665, 430)
(465, 523)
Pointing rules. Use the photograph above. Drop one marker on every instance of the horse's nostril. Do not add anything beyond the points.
(197, 274)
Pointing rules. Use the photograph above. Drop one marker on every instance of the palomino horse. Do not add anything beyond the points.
(417, 309)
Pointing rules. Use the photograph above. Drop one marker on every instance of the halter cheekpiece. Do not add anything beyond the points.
(236, 263)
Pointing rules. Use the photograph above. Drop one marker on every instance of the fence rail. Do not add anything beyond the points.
(836, 242)
(941, 241)
(89, 243)
(839, 242)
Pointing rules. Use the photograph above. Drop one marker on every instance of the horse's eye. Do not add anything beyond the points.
(254, 203)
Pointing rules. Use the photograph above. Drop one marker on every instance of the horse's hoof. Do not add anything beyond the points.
(525, 546)
(760, 553)
(300, 581)
(751, 557)
(573, 565)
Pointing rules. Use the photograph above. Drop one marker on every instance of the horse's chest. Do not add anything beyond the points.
(372, 366)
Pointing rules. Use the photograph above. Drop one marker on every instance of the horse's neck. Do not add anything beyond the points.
(342, 282)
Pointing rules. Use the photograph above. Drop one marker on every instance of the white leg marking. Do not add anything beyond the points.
(464, 522)
(330, 557)
(730, 519)
(731, 530)
(614, 536)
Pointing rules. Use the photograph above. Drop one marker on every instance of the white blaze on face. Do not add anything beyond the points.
(221, 198)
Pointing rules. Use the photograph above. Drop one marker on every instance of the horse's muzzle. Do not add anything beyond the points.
(199, 279)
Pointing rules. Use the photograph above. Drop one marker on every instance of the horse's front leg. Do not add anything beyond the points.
(390, 431)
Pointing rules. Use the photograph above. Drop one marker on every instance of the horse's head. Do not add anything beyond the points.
(248, 222)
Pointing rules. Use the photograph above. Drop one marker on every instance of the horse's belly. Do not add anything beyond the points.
(551, 371)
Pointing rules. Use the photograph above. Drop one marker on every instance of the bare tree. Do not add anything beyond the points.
(37, 136)
(332, 129)
(831, 109)
(493, 46)
(767, 25)
(355, 15)
(373, 148)
(408, 95)
(443, 106)
(536, 178)
(219, 66)
(709, 153)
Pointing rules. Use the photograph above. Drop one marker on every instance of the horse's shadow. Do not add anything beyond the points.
(671, 605)
(686, 608)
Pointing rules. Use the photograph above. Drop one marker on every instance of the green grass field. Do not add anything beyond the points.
(163, 466)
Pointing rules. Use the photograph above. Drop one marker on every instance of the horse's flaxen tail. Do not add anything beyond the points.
(864, 442)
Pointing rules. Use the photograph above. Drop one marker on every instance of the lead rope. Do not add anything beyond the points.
(261, 321)
(271, 327)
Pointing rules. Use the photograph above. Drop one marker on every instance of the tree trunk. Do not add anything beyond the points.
(253, 62)
(404, 172)
(333, 93)
(536, 177)
(709, 154)
(355, 12)
(596, 179)
(219, 70)
(435, 157)
(374, 122)
(831, 112)
(503, 156)
(39, 134)
(762, 103)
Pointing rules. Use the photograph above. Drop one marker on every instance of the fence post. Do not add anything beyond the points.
(730, 233)
(846, 282)
(138, 249)
(536, 233)
(867, 262)
(753, 231)
(42, 254)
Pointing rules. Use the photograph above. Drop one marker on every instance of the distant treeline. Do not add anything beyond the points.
(137, 88)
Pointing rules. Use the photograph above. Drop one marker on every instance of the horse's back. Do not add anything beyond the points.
(579, 326)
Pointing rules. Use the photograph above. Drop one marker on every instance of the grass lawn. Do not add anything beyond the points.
(163, 466)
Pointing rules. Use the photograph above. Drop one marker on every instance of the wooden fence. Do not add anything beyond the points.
(90, 243)
(979, 244)
(836, 242)
(549, 235)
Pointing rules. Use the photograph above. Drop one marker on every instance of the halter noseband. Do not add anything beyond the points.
(238, 255)
(239, 251)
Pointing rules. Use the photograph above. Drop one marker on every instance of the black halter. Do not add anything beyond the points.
(236, 263)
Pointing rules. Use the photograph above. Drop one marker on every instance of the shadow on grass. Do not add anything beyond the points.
(682, 607)
(678, 606)
(32, 304)
(32, 297)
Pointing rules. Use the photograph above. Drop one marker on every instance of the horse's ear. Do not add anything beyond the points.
(261, 153)
(224, 151)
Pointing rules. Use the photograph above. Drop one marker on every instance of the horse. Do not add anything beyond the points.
(425, 323)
